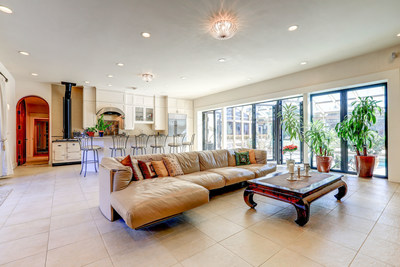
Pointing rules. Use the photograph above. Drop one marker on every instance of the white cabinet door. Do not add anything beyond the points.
(160, 119)
(148, 101)
(138, 100)
(129, 118)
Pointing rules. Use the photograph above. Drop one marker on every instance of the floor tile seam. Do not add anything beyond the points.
(223, 238)
(269, 239)
(29, 235)
(19, 199)
(71, 243)
(9, 262)
(48, 236)
(207, 247)
(77, 224)
(370, 231)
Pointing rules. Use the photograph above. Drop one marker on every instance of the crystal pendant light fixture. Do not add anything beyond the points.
(147, 77)
(223, 25)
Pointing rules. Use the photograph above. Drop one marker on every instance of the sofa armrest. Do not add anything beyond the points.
(113, 177)
(261, 156)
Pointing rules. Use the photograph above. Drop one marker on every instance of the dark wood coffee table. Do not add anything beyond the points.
(299, 193)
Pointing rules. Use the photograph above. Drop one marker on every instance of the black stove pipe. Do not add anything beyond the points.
(67, 132)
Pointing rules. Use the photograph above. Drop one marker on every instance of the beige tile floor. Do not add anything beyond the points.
(51, 218)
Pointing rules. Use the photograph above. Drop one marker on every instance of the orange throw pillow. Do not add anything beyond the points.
(252, 155)
(147, 169)
(137, 174)
(173, 167)
(160, 168)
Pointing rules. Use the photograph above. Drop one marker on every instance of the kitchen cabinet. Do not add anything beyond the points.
(160, 113)
(66, 152)
(89, 107)
(144, 109)
(129, 117)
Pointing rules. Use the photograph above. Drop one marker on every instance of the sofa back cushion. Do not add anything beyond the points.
(189, 161)
(207, 160)
(221, 158)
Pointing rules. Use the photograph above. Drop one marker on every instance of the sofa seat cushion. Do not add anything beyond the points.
(260, 170)
(209, 180)
(234, 175)
(146, 201)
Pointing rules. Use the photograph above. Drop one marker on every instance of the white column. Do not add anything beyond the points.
(306, 119)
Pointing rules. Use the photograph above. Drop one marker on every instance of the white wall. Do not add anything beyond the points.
(367, 69)
(10, 92)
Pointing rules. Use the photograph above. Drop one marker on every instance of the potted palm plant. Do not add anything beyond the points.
(101, 125)
(291, 123)
(319, 138)
(356, 130)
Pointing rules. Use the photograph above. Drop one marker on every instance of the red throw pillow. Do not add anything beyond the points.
(137, 175)
(147, 169)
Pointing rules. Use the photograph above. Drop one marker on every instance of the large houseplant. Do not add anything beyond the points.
(102, 125)
(356, 130)
(319, 138)
(291, 124)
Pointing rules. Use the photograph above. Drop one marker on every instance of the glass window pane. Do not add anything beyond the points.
(238, 113)
(218, 130)
(229, 114)
(326, 108)
(265, 113)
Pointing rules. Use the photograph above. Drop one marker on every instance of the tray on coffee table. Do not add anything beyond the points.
(298, 193)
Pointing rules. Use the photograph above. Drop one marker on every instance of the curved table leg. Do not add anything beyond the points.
(303, 212)
(248, 198)
(342, 192)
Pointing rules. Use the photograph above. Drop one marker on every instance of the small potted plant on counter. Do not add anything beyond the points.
(356, 130)
(291, 123)
(101, 126)
(90, 131)
(319, 138)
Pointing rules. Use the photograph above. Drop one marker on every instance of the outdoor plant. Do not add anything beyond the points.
(289, 149)
(356, 127)
(319, 138)
(101, 124)
(291, 121)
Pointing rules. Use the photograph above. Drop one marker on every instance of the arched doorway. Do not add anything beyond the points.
(32, 130)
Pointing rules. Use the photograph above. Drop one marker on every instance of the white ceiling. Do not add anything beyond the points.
(79, 40)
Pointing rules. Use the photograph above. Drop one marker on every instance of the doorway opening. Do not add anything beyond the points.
(32, 131)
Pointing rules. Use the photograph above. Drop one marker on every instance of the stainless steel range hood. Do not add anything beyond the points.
(110, 111)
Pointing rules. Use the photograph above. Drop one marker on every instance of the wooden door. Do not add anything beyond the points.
(21, 132)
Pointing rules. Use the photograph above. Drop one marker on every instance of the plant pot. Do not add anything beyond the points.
(365, 166)
(91, 134)
(101, 133)
(324, 164)
(288, 161)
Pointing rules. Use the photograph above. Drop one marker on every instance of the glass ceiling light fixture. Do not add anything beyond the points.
(223, 25)
(147, 77)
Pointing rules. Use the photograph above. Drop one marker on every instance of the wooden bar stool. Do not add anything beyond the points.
(119, 144)
(86, 144)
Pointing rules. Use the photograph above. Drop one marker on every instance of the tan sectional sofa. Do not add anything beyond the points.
(147, 201)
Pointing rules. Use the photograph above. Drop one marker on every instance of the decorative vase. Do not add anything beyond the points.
(289, 161)
(101, 133)
(324, 163)
(365, 166)
(91, 134)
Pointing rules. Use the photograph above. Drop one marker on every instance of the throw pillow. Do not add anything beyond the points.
(147, 169)
(136, 173)
(252, 155)
(242, 158)
(160, 168)
(173, 167)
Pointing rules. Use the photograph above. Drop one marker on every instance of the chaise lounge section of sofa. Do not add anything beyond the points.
(147, 201)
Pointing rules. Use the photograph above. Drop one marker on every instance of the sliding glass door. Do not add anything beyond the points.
(212, 129)
(266, 128)
(332, 107)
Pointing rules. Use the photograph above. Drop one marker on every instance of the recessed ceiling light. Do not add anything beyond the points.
(183, 78)
(109, 85)
(23, 53)
(120, 64)
(146, 34)
(110, 76)
(6, 10)
(303, 63)
(249, 79)
(293, 28)
(34, 74)
(222, 60)
(398, 35)
(87, 82)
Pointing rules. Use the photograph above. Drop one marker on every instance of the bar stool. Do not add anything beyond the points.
(189, 144)
(119, 144)
(176, 144)
(86, 144)
(140, 144)
(160, 141)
